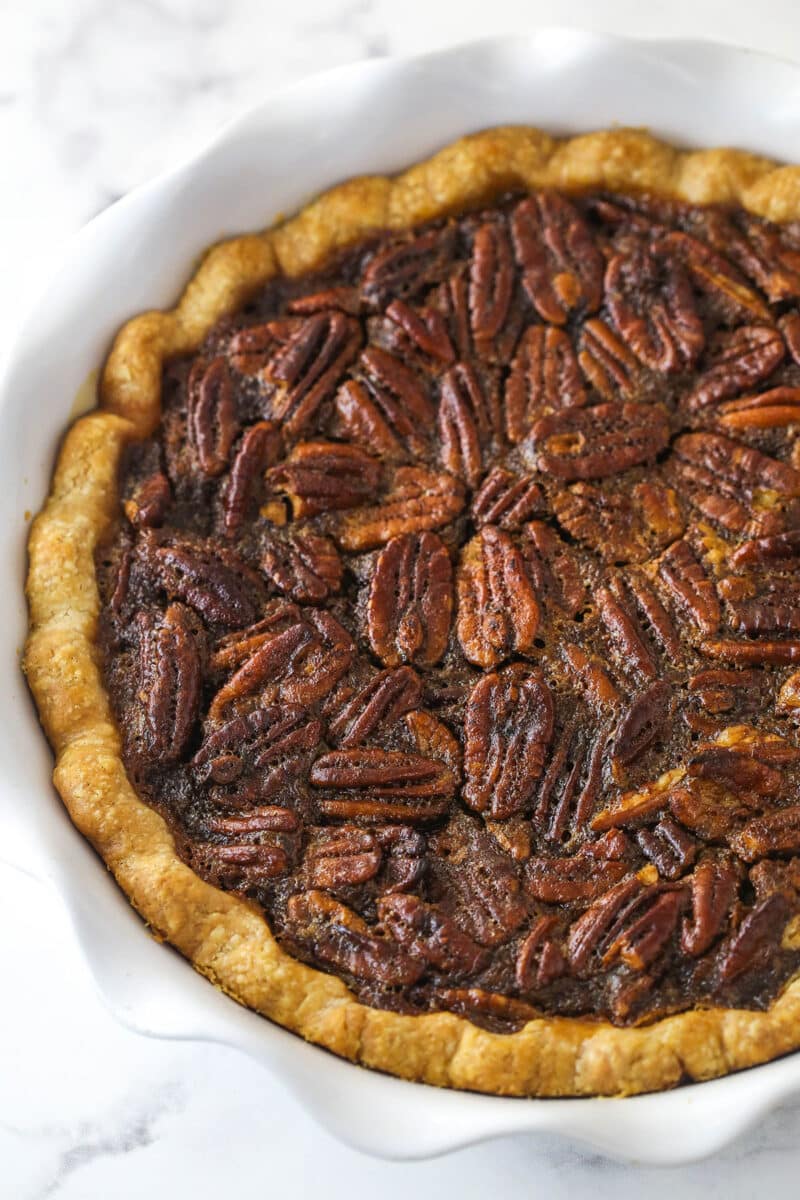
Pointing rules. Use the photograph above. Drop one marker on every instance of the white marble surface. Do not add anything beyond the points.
(96, 96)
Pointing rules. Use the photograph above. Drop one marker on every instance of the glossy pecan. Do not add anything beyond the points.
(748, 654)
(338, 936)
(469, 420)
(776, 832)
(376, 706)
(624, 632)
(572, 782)
(491, 901)
(766, 253)
(724, 286)
(299, 657)
(690, 586)
(491, 282)
(641, 939)
(620, 524)
(170, 680)
(540, 959)
(553, 569)
(714, 884)
(507, 500)
(669, 847)
(320, 477)
(498, 614)
(565, 880)
(641, 722)
(411, 600)
(755, 939)
(417, 499)
(382, 785)
(775, 409)
(767, 550)
(588, 932)
(492, 1007)
(650, 300)
(609, 366)
(147, 507)
(386, 408)
(306, 369)
(342, 858)
(342, 297)
(420, 333)
(254, 757)
(744, 357)
(789, 325)
(242, 865)
(408, 263)
(430, 935)
(304, 566)
(214, 581)
(589, 443)
(590, 677)
(259, 448)
(562, 268)
(212, 419)
(508, 725)
(544, 378)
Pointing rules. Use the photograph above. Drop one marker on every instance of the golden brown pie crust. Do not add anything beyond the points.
(224, 936)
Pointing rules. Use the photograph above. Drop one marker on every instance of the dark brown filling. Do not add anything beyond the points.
(454, 615)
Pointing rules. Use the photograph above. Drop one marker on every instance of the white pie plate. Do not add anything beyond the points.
(373, 116)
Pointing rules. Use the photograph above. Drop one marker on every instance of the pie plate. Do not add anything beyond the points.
(370, 117)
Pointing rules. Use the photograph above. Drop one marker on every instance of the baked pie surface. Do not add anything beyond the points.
(427, 584)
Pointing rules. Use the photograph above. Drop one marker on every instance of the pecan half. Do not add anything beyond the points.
(553, 569)
(408, 263)
(588, 443)
(382, 785)
(669, 847)
(508, 725)
(386, 408)
(170, 681)
(376, 706)
(148, 505)
(491, 282)
(620, 524)
(320, 477)
(572, 782)
(540, 959)
(755, 938)
(693, 591)
(428, 934)
(506, 499)
(544, 378)
(469, 418)
(304, 566)
(641, 722)
(562, 268)
(775, 832)
(610, 367)
(745, 356)
(417, 499)
(338, 936)
(306, 369)
(212, 420)
(215, 582)
(714, 884)
(411, 600)
(342, 858)
(260, 448)
(565, 880)
(651, 303)
(498, 614)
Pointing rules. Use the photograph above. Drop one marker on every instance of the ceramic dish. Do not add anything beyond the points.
(371, 117)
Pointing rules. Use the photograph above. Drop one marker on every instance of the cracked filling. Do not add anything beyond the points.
(453, 611)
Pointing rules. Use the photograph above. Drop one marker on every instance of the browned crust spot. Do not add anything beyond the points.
(226, 938)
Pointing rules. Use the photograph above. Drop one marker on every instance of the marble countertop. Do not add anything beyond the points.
(95, 97)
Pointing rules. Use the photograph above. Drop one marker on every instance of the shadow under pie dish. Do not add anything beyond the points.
(414, 622)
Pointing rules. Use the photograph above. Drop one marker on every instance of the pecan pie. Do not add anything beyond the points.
(417, 621)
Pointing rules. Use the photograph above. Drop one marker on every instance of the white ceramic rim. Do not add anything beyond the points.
(378, 115)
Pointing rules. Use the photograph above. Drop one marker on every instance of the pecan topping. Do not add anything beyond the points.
(650, 300)
(455, 610)
(507, 729)
(170, 681)
(562, 268)
(588, 443)
(411, 600)
(544, 378)
(213, 423)
(469, 417)
(498, 614)
(304, 566)
(506, 499)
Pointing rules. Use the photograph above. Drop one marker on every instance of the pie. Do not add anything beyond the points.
(416, 621)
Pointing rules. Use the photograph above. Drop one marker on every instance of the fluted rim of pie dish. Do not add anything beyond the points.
(305, 239)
